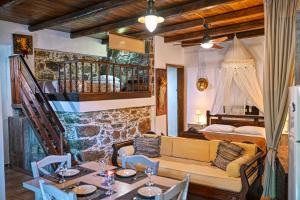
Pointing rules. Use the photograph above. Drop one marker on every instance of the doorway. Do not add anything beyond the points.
(175, 96)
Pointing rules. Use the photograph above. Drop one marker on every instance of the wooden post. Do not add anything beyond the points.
(91, 87)
(15, 83)
(82, 77)
(99, 77)
(76, 77)
(297, 64)
(113, 68)
(107, 70)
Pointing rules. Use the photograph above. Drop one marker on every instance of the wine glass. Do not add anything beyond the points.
(62, 170)
(110, 181)
(149, 172)
(102, 164)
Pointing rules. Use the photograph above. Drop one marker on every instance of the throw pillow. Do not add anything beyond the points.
(147, 146)
(226, 153)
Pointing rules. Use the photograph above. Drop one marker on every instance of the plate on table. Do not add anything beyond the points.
(149, 191)
(69, 172)
(84, 189)
(126, 173)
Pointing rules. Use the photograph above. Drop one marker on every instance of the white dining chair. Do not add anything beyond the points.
(133, 161)
(178, 191)
(38, 166)
(50, 192)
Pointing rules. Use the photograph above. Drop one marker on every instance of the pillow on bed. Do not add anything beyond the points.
(220, 128)
(252, 130)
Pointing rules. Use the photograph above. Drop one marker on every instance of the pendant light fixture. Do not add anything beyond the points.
(151, 19)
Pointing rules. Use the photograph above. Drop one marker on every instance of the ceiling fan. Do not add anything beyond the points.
(207, 41)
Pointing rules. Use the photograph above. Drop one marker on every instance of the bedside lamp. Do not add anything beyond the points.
(201, 119)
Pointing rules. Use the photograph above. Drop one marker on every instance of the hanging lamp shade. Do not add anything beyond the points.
(151, 19)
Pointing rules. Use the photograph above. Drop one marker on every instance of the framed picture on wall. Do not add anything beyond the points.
(23, 44)
(161, 91)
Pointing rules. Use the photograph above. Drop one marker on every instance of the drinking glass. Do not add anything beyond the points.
(110, 181)
(149, 172)
(62, 170)
(102, 164)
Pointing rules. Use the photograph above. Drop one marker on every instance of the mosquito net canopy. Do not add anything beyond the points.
(238, 83)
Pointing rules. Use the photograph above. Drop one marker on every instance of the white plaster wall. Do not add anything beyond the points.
(213, 57)
(165, 53)
(60, 41)
(2, 179)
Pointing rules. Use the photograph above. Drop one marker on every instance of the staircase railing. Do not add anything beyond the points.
(27, 93)
(87, 80)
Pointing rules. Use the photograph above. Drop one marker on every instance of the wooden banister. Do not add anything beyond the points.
(27, 92)
(42, 95)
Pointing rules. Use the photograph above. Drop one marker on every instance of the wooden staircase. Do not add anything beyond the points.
(27, 95)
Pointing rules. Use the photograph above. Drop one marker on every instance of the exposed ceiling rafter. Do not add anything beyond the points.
(248, 12)
(102, 7)
(9, 3)
(246, 34)
(247, 26)
(166, 13)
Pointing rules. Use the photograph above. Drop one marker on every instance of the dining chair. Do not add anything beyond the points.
(50, 192)
(133, 161)
(38, 166)
(178, 191)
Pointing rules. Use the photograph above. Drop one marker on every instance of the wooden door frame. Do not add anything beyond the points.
(180, 98)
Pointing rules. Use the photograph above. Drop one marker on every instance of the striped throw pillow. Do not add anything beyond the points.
(147, 146)
(226, 153)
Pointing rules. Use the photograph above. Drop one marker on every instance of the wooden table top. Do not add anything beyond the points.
(92, 178)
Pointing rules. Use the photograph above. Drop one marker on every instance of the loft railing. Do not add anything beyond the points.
(27, 92)
(80, 80)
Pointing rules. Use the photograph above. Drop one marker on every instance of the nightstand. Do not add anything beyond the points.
(196, 126)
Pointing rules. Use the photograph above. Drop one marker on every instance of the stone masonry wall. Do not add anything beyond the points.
(92, 134)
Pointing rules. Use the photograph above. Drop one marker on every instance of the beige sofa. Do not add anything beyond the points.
(181, 156)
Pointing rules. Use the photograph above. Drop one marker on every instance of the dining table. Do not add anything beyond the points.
(120, 188)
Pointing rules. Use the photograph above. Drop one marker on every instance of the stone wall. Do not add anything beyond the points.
(92, 134)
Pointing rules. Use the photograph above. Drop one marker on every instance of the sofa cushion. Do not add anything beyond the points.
(148, 146)
(166, 146)
(233, 168)
(202, 173)
(227, 152)
(249, 149)
(126, 151)
(193, 149)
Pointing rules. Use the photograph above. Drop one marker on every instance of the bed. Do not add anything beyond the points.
(241, 122)
(250, 120)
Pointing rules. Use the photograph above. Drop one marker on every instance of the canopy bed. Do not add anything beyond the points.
(236, 114)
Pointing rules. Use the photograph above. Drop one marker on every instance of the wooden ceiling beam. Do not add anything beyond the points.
(102, 8)
(240, 35)
(213, 19)
(166, 13)
(247, 26)
(9, 3)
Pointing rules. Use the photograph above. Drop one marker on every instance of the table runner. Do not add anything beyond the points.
(134, 195)
(54, 177)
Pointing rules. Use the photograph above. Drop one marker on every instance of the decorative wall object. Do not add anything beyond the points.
(202, 84)
(161, 91)
(92, 134)
(23, 44)
(202, 79)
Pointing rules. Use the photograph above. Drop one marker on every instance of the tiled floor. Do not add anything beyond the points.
(13, 183)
